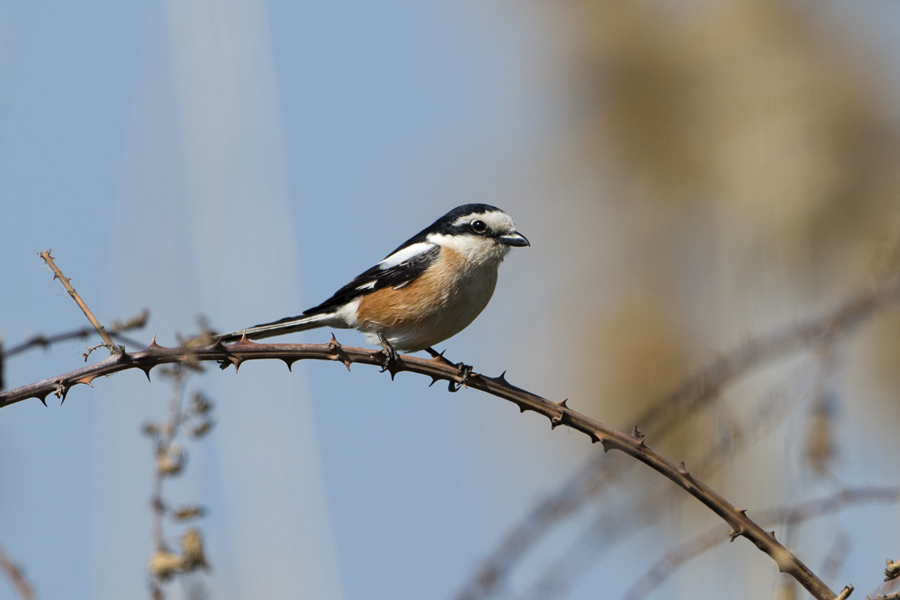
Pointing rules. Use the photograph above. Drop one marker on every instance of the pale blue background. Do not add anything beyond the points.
(242, 160)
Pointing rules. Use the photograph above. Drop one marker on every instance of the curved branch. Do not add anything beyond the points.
(693, 394)
(659, 572)
(614, 524)
(440, 369)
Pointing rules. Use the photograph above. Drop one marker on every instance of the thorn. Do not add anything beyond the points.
(339, 354)
(237, 361)
(555, 422)
(682, 469)
(635, 432)
(87, 379)
(563, 404)
(288, 363)
(146, 370)
(244, 341)
(522, 407)
(741, 511)
(434, 380)
(733, 534)
(153, 343)
(607, 446)
(218, 346)
(502, 378)
(43, 399)
(438, 357)
(772, 534)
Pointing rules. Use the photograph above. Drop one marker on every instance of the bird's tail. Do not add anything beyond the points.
(280, 327)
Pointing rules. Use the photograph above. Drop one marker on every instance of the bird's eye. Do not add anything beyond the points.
(479, 226)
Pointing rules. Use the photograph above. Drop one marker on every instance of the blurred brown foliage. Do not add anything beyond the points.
(735, 170)
(753, 145)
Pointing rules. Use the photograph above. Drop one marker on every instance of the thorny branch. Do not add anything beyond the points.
(15, 576)
(440, 369)
(693, 394)
(615, 523)
(804, 511)
(45, 341)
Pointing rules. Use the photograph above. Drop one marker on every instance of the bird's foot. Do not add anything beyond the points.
(462, 370)
(390, 354)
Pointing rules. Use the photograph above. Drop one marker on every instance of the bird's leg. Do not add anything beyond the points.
(390, 354)
(463, 370)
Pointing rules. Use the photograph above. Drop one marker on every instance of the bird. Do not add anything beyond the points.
(427, 290)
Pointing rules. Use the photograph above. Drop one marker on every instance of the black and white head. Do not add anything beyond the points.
(479, 232)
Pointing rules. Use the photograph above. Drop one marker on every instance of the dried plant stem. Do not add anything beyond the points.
(440, 369)
(166, 437)
(804, 511)
(693, 394)
(57, 273)
(15, 576)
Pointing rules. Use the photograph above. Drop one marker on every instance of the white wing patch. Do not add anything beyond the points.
(403, 255)
(366, 286)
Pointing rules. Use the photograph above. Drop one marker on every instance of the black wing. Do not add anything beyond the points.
(377, 278)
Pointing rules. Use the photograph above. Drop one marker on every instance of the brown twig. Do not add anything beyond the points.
(693, 394)
(674, 559)
(558, 413)
(15, 576)
(39, 340)
(101, 331)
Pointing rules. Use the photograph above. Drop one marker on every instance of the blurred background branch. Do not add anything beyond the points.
(15, 576)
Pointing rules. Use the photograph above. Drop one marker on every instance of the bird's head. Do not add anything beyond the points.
(481, 233)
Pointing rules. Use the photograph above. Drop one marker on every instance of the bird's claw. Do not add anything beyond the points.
(463, 371)
(390, 354)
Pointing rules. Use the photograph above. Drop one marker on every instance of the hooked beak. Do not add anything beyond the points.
(514, 239)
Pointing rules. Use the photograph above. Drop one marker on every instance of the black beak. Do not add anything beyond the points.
(514, 239)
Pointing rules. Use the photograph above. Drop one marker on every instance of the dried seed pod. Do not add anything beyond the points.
(170, 460)
(893, 570)
(201, 428)
(163, 564)
(192, 556)
(184, 513)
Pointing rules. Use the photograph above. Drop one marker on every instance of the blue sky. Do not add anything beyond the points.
(242, 160)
